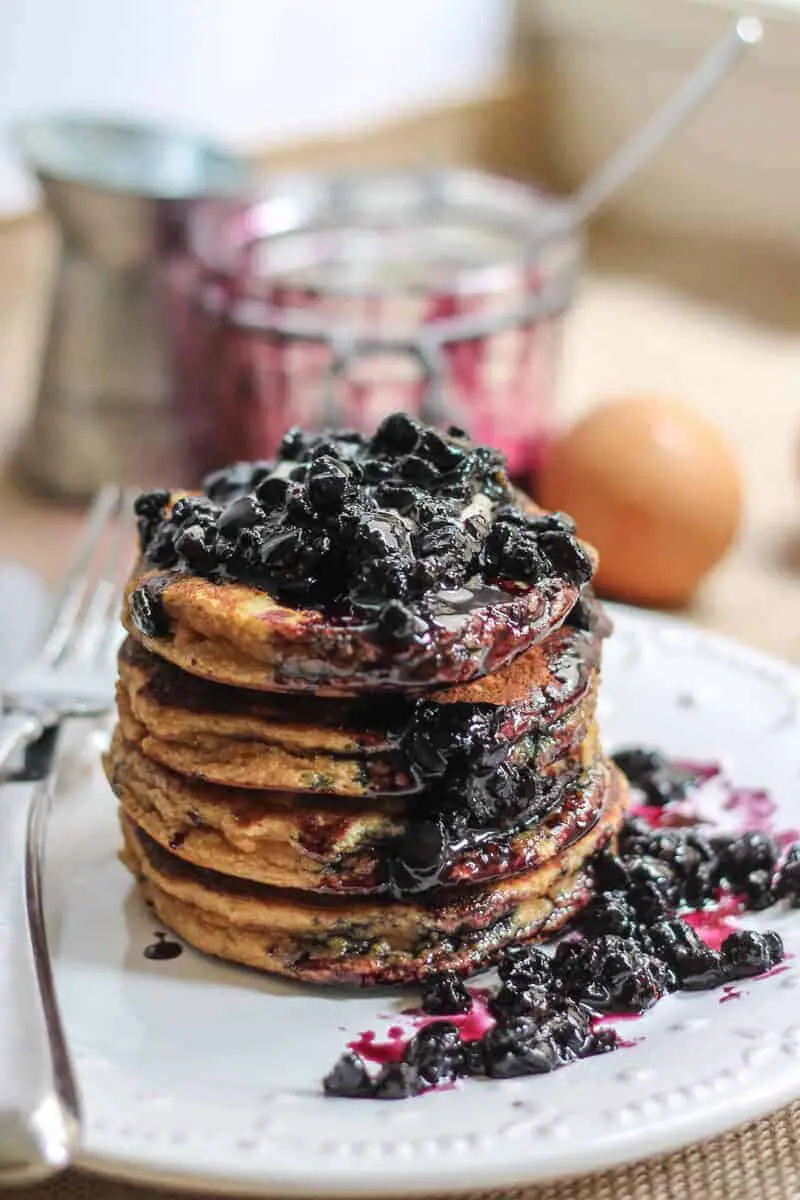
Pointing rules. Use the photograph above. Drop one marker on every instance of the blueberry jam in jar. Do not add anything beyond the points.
(386, 529)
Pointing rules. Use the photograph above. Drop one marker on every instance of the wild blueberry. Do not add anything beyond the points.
(396, 1081)
(418, 470)
(525, 965)
(195, 544)
(271, 492)
(520, 999)
(747, 952)
(652, 888)
(757, 888)
(445, 994)
(661, 781)
(327, 485)
(740, 856)
(293, 444)
(612, 973)
(609, 912)
(566, 556)
(348, 1077)
(437, 1053)
(397, 434)
(696, 966)
(513, 1049)
(474, 1063)
(601, 1041)
(147, 610)
(444, 456)
(397, 496)
(240, 514)
(787, 880)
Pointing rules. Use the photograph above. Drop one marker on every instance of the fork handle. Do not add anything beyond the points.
(38, 1105)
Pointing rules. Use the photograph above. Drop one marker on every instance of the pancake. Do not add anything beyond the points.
(236, 634)
(536, 688)
(335, 845)
(260, 767)
(240, 739)
(363, 941)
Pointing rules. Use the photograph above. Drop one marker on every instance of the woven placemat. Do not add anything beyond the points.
(760, 1161)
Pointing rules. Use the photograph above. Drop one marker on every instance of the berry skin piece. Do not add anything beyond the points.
(516, 998)
(349, 1078)
(652, 889)
(602, 1041)
(514, 1049)
(397, 1081)
(397, 434)
(787, 880)
(609, 912)
(739, 857)
(746, 953)
(525, 965)
(437, 1054)
(661, 782)
(696, 966)
(148, 612)
(758, 891)
(445, 995)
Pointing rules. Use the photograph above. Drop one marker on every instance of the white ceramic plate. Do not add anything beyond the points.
(196, 1073)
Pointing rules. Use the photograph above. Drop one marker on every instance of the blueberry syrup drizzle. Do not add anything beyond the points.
(663, 917)
(388, 530)
(469, 793)
(161, 950)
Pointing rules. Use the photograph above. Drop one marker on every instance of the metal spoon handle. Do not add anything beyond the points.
(39, 1116)
(745, 33)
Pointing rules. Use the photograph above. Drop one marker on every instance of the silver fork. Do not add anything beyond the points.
(71, 676)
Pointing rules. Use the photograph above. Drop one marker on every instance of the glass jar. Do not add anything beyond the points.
(332, 301)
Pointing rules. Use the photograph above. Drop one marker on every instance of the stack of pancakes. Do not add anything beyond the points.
(300, 796)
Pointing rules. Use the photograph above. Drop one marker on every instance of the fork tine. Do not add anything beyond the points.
(76, 584)
(108, 629)
(109, 645)
(97, 625)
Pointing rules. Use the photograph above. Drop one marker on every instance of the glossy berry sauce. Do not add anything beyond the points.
(162, 949)
(717, 920)
(663, 917)
(472, 1026)
(388, 530)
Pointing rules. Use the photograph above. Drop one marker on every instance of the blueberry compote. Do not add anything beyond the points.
(472, 795)
(365, 527)
(661, 920)
(472, 792)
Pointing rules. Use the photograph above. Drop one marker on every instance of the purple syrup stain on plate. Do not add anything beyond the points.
(472, 1025)
(717, 921)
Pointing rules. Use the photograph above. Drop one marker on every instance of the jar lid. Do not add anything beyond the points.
(458, 232)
